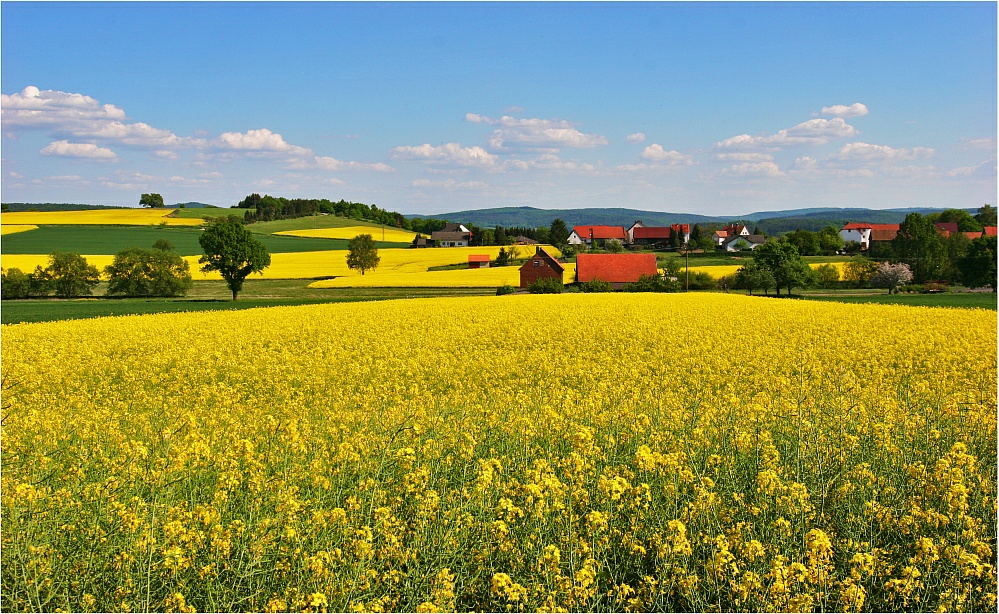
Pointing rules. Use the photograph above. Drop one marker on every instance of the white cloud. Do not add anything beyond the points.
(449, 153)
(865, 152)
(812, 132)
(841, 110)
(749, 169)
(332, 164)
(88, 151)
(33, 108)
(535, 133)
(449, 184)
(988, 143)
(745, 157)
(657, 153)
(638, 137)
(261, 140)
(552, 162)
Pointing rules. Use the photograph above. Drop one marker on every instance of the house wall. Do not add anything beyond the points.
(860, 236)
(531, 272)
(575, 239)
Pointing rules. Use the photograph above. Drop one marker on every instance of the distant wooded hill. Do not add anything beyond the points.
(769, 222)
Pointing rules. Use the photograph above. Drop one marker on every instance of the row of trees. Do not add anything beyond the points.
(266, 208)
(133, 272)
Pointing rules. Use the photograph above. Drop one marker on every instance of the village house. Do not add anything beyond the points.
(452, 235)
(478, 261)
(541, 265)
(740, 243)
(640, 234)
(615, 269)
(732, 230)
(589, 234)
(865, 233)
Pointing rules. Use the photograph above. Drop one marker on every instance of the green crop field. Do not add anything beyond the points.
(967, 300)
(212, 296)
(309, 222)
(113, 239)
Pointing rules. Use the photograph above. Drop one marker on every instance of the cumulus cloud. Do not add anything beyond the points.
(34, 108)
(332, 164)
(812, 132)
(261, 140)
(535, 133)
(744, 156)
(753, 169)
(449, 184)
(449, 153)
(865, 152)
(638, 137)
(88, 151)
(657, 153)
(841, 110)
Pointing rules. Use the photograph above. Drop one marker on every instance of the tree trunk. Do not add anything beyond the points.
(234, 293)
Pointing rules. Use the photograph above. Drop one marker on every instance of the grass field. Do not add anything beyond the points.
(312, 222)
(112, 239)
(211, 296)
(349, 232)
(966, 300)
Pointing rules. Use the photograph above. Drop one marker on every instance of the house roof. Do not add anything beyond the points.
(990, 231)
(599, 232)
(524, 240)
(946, 227)
(455, 228)
(863, 225)
(721, 233)
(615, 268)
(735, 228)
(884, 234)
(756, 239)
(441, 235)
(478, 257)
(653, 232)
(551, 260)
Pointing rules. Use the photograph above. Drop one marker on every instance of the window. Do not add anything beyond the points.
(537, 263)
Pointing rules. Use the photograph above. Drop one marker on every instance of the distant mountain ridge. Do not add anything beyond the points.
(770, 222)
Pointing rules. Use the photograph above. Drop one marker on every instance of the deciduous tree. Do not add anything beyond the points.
(232, 250)
(891, 276)
(154, 201)
(70, 275)
(362, 254)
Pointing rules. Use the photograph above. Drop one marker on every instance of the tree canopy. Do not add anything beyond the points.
(154, 201)
(362, 254)
(782, 260)
(142, 272)
(232, 250)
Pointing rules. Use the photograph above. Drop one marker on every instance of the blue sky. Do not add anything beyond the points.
(714, 108)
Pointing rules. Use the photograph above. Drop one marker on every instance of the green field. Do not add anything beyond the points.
(211, 296)
(208, 212)
(967, 300)
(310, 222)
(113, 239)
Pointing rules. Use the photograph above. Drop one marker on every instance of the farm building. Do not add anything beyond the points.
(739, 243)
(615, 269)
(864, 233)
(478, 261)
(640, 234)
(452, 235)
(588, 234)
(733, 230)
(541, 265)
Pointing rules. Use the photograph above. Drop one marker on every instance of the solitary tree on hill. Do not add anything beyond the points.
(231, 249)
(154, 201)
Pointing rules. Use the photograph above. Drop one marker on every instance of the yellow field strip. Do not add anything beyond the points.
(15, 228)
(349, 232)
(127, 217)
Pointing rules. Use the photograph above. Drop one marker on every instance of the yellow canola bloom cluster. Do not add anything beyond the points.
(722, 270)
(516, 453)
(99, 216)
(393, 235)
(10, 229)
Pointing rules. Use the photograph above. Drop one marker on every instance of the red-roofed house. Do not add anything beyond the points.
(587, 234)
(542, 265)
(864, 233)
(639, 234)
(946, 229)
(732, 230)
(991, 231)
(478, 261)
(615, 269)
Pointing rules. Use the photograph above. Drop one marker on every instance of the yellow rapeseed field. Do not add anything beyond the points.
(99, 216)
(584, 452)
(349, 232)
(10, 229)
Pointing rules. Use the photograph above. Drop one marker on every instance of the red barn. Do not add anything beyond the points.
(478, 261)
(542, 265)
(615, 269)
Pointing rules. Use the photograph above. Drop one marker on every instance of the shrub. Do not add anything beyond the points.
(14, 283)
(508, 289)
(546, 286)
(699, 280)
(654, 283)
(597, 285)
(891, 276)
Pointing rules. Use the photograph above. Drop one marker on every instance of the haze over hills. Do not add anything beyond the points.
(769, 221)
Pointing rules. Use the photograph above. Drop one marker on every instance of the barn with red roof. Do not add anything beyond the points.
(541, 265)
(615, 269)
(589, 234)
